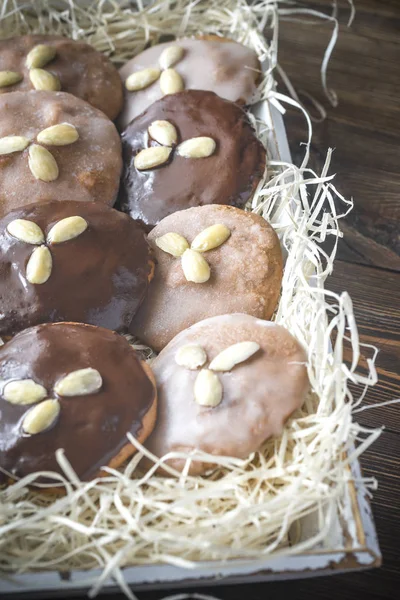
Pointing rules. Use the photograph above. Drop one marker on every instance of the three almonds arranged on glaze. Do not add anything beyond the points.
(165, 134)
(195, 267)
(41, 79)
(170, 80)
(52, 63)
(42, 163)
(40, 264)
(207, 387)
(26, 392)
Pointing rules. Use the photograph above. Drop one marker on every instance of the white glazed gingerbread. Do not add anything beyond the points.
(226, 404)
(215, 64)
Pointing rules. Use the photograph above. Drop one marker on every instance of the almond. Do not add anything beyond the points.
(58, 135)
(191, 356)
(198, 147)
(170, 56)
(195, 267)
(26, 231)
(163, 132)
(141, 79)
(233, 355)
(173, 243)
(43, 80)
(171, 82)
(79, 383)
(211, 238)
(9, 78)
(24, 391)
(39, 266)
(40, 56)
(66, 229)
(13, 143)
(207, 389)
(41, 417)
(42, 163)
(149, 158)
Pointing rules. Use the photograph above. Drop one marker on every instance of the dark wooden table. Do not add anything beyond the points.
(365, 130)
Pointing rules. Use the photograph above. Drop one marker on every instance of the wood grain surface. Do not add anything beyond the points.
(364, 129)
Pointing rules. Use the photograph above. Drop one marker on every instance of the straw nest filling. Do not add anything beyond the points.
(245, 509)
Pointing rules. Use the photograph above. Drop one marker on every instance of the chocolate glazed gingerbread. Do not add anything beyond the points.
(90, 428)
(99, 277)
(229, 176)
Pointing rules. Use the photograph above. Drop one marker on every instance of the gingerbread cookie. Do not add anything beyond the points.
(71, 261)
(76, 387)
(189, 149)
(54, 63)
(224, 386)
(211, 260)
(54, 146)
(215, 64)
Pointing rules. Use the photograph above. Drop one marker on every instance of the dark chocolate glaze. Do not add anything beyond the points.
(99, 278)
(91, 429)
(229, 176)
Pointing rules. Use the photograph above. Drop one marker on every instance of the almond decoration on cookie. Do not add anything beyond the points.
(191, 356)
(51, 62)
(208, 389)
(170, 56)
(41, 417)
(13, 143)
(45, 81)
(199, 147)
(211, 238)
(8, 78)
(42, 163)
(26, 231)
(152, 157)
(164, 133)
(79, 383)
(40, 263)
(173, 243)
(41, 79)
(194, 265)
(40, 56)
(39, 266)
(58, 135)
(24, 391)
(82, 382)
(66, 229)
(170, 80)
(142, 79)
(234, 355)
